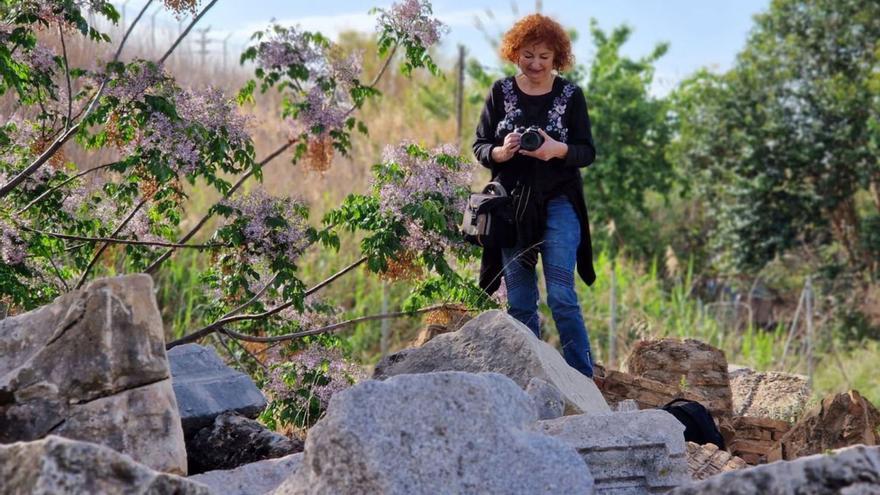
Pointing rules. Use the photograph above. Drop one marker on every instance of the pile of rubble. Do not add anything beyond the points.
(91, 403)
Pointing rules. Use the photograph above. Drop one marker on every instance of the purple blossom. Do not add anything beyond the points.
(40, 58)
(210, 108)
(286, 47)
(347, 70)
(270, 241)
(170, 139)
(423, 178)
(12, 247)
(411, 19)
(288, 378)
(139, 79)
(323, 110)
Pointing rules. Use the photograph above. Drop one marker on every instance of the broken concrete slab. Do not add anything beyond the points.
(627, 452)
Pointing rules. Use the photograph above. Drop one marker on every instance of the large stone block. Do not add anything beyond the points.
(853, 471)
(255, 478)
(496, 342)
(446, 432)
(617, 386)
(752, 438)
(627, 452)
(56, 465)
(691, 365)
(772, 394)
(91, 366)
(838, 421)
(205, 387)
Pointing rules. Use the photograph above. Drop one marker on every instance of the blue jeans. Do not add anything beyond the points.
(558, 253)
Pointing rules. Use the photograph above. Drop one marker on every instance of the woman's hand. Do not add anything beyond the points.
(508, 149)
(550, 149)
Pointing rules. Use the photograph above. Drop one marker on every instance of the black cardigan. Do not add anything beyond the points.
(562, 113)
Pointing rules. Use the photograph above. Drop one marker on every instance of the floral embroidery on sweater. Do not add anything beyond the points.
(554, 116)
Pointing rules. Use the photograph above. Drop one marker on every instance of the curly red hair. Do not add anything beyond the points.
(537, 28)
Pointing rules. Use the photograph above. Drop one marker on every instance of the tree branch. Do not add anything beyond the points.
(116, 240)
(62, 184)
(63, 138)
(67, 76)
(186, 31)
(315, 331)
(213, 327)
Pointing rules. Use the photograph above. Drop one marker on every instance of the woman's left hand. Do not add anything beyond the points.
(549, 150)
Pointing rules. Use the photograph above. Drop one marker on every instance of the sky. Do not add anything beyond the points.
(701, 33)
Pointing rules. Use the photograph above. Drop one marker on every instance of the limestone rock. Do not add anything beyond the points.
(205, 388)
(627, 452)
(496, 342)
(839, 421)
(233, 441)
(446, 432)
(91, 366)
(690, 365)
(255, 478)
(752, 438)
(547, 398)
(853, 471)
(705, 461)
(776, 395)
(55, 465)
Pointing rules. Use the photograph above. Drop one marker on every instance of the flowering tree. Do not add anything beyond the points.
(60, 218)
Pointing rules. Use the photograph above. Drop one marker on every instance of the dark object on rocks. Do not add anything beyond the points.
(848, 471)
(839, 421)
(233, 441)
(205, 388)
(690, 365)
(60, 465)
(705, 461)
(699, 427)
(91, 366)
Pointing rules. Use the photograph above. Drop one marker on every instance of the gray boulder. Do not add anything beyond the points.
(55, 465)
(548, 400)
(205, 388)
(496, 342)
(233, 441)
(627, 452)
(255, 478)
(435, 433)
(91, 366)
(850, 471)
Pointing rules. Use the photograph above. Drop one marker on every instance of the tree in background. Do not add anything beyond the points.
(783, 146)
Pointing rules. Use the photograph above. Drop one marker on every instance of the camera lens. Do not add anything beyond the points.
(530, 140)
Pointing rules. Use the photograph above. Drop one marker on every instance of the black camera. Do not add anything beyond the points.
(530, 138)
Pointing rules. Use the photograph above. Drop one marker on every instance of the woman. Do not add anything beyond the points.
(552, 218)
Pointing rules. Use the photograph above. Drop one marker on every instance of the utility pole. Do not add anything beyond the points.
(809, 320)
(124, 3)
(612, 325)
(459, 95)
(225, 54)
(203, 43)
(153, 28)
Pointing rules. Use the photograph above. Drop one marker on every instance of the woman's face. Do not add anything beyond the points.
(536, 61)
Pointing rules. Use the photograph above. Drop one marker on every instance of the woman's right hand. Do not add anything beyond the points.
(508, 149)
